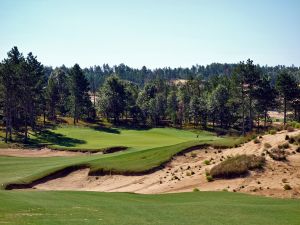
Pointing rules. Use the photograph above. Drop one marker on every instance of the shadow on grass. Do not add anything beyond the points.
(47, 137)
(106, 129)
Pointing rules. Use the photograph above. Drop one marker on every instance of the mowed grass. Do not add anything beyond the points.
(138, 158)
(209, 208)
(25, 170)
(93, 138)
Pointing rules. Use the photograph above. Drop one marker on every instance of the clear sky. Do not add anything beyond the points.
(155, 33)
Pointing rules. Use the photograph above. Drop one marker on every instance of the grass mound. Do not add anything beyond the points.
(277, 154)
(237, 166)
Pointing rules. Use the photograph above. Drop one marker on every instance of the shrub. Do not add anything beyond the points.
(287, 187)
(292, 140)
(209, 178)
(277, 154)
(188, 173)
(267, 145)
(196, 190)
(193, 154)
(284, 180)
(295, 139)
(206, 162)
(256, 141)
(272, 132)
(287, 137)
(290, 129)
(298, 149)
(285, 145)
(237, 165)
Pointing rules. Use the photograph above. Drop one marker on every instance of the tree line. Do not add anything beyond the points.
(228, 96)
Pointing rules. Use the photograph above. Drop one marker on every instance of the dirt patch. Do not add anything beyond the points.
(45, 152)
(187, 171)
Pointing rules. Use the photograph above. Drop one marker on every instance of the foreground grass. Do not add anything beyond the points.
(49, 207)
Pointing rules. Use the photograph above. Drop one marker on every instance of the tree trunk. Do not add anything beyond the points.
(284, 113)
(26, 128)
(250, 113)
(44, 117)
(243, 113)
(75, 114)
(265, 121)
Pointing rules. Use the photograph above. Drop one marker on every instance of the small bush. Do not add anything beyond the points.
(292, 140)
(285, 145)
(188, 173)
(272, 132)
(209, 178)
(237, 165)
(193, 154)
(277, 154)
(287, 187)
(284, 180)
(196, 190)
(206, 162)
(290, 129)
(256, 141)
(287, 137)
(267, 145)
(298, 149)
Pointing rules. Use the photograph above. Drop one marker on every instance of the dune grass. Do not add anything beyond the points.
(237, 165)
(195, 208)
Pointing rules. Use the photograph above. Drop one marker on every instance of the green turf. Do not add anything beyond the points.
(138, 158)
(25, 170)
(85, 138)
(49, 207)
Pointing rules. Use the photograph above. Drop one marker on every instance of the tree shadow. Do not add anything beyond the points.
(49, 137)
(106, 129)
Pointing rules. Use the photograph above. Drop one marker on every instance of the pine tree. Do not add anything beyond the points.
(79, 89)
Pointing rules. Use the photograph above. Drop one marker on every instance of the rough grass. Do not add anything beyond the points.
(277, 154)
(77, 208)
(237, 166)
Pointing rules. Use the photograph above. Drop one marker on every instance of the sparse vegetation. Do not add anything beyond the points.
(237, 166)
(206, 162)
(209, 178)
(256, 141)
(277, 154)
(287, 187)
(284, 145)
(267, 145)
(272, 132)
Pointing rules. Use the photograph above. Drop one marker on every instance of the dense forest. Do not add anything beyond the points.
(227, 96)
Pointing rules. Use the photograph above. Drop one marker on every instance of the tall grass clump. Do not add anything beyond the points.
(237, 166)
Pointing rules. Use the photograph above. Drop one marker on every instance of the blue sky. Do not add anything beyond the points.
(155, 33)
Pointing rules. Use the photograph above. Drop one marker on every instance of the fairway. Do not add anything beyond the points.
(93, 138)
(35, 207)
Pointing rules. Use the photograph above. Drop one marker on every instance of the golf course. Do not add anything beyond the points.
(147, 150)
(149, 112)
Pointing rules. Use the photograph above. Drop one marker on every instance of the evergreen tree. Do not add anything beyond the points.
(287, 87)
(79, 88)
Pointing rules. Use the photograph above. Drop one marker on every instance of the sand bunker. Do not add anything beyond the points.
(187, 172)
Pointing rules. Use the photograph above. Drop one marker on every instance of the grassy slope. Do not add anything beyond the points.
(134, 160)
(25, 170)
(37, 207)
(70, 137)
